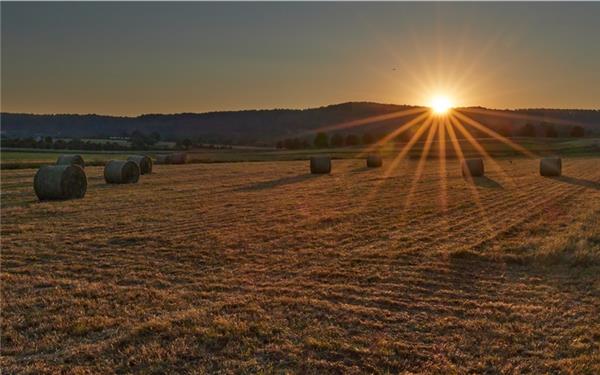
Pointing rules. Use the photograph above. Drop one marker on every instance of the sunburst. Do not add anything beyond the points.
(440, 105)
(438, 122)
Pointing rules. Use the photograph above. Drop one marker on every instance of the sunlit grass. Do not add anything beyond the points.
(211, 262)
(435, 124)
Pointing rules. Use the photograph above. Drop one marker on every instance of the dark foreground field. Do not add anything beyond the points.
(261, 267)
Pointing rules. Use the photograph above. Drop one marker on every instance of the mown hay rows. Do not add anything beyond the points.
(341, 313)
(190, 222)
(189, 225)
(526, 199)
(471, 218)
(318, 300)
(497, 216)
(183, 220)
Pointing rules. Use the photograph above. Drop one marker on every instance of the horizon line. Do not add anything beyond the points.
(287, 109)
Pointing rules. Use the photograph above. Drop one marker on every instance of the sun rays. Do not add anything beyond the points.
(440, 105)
(450, 132)
(446, 135)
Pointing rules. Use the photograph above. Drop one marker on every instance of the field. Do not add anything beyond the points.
(262, 267)
(32, 158)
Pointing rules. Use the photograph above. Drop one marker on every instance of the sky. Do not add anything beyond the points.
(135, 58)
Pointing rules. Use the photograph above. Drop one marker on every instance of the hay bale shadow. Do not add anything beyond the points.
(278, 182)
(362, 169)
(486, 182)
(577, 181)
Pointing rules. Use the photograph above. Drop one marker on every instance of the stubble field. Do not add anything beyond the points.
(262, 267)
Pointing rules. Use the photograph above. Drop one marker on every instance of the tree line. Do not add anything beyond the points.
(548, 131)
(48, 143)
(137, 140)
(324, 140)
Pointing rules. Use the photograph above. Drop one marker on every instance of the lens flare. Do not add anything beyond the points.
(440, 105)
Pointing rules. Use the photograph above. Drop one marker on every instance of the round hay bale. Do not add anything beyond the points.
(163, 159)
(374, 161)
(178, 158)
(60, 182)
(121, 172)
(320, 164)
(71, 160)
(472, 168)
(550, 167)
(143, 161)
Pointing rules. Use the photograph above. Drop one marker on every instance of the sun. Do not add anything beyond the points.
(440, 105)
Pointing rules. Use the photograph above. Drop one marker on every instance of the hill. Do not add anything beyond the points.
(255, 127)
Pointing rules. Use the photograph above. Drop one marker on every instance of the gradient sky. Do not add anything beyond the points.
(133, 58)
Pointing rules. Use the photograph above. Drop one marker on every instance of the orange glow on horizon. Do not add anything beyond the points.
(440, 105)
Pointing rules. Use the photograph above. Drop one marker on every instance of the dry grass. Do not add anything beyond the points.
(262, 267)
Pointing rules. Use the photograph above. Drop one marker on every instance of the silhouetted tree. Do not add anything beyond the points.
(76, 144)
(337, 140)
(155, 136)
(60, 145)
(577, 131)
(187, 143)
(138, 140)
(321, 140)
(352, 140)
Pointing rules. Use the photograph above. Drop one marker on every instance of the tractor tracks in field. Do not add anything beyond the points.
(186, 212)
(190, 216)
(201, 221)
(523, 208)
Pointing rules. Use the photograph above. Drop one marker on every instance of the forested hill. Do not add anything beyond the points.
(267, 126)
